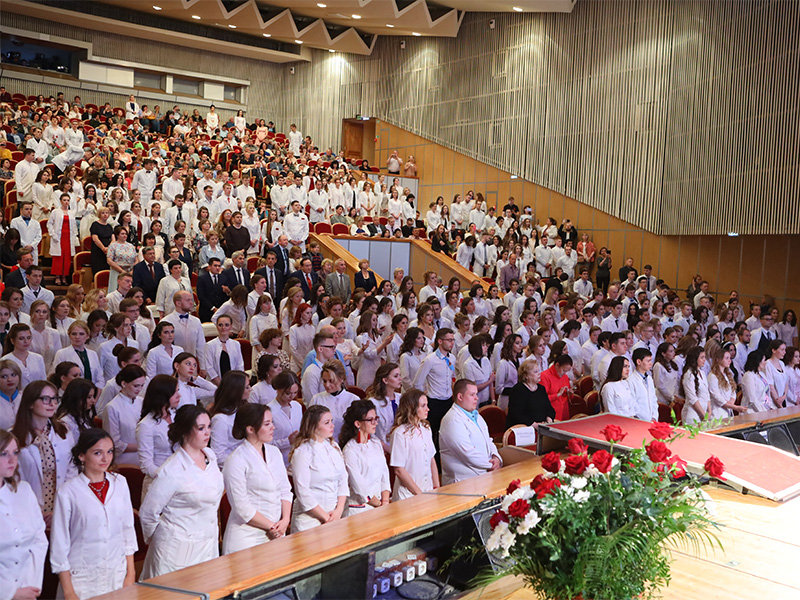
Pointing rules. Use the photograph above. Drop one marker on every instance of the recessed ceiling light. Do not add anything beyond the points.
(298, 41)
(232, 26)
(267, 34)
(331, 50)
(415, 34)
(389, 25)
(356, 16)
(195, 17)
(321, 5)
(517, 9)
(156, 8)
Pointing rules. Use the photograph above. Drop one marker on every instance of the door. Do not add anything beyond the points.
(353, 138)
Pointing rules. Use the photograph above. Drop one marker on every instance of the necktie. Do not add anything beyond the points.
(239, 277)
(341, 280)
(214, 279)
(272, 283)
(87, 366)
(224, 361)
(36, 293)
(180, 214)
(308, 281)
(184, 317)
(394, 406)
(152, 272)
(183, 289)
(285, 260)
(617, 322)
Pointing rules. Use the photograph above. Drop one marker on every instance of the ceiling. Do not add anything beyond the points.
(335, 25)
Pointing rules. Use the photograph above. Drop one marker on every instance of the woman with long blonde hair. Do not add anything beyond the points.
(413, 453)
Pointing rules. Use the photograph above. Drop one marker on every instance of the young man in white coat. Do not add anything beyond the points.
(30, 230)
(642, 386)
(465, 445)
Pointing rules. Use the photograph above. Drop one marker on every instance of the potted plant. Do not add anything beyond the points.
(600, 526)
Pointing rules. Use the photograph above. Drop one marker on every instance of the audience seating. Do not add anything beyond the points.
(509, 438)
(135, 478)
(340, 229)
(323, 228)
(577, 405)
(247, 353)
(591, 401)
(495, 418)
(357, 391)
(252, 263)
(584, 385)
(101, 279)
(224, 514)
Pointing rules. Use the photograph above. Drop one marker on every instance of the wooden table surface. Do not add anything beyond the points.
(750, 420)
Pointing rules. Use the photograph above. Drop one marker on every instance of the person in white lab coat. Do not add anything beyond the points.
(30, 230)
(256, 483)
(287, 413)
(153, 447)
(335, 397)
(162, 351)
(45, 459)
(232, 393)
(385, 394)
(368, 474)
(642, 385)
(23, 543)
(93, 540)
(17, 349)
(179, 514)
(87, 360)
(464, 442)
(618, 399)
(413, 453)
(319, 472)
(694, 387)
(124, 412)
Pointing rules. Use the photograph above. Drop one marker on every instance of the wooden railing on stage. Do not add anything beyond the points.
(747, 421)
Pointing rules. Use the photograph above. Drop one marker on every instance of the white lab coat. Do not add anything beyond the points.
(644, 396)
(285, 425)
(222, 440)
(23, 544)
(33, 371)
(153, 448)
(368, 474)
(159, 361)
(413, 450)
(179, 515)
(466, 447)
(120, 418)
(320, 477)
(213, 352)
(54, 224)
(253, 484)
(693, 396)
(91, 539)
(30, 464)
(618, 398)
(337, 404)
(719, 397)
(69, 354)
(30, 234)
(385, 413)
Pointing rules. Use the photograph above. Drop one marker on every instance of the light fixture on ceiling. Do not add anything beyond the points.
(517, 9)
(195, 17)
(321, 5)
(267, 34)
(232, 26)
(298, 41)
(390, 26)
(331, 50)
(415, 34)
(156, 8)
(356, 16)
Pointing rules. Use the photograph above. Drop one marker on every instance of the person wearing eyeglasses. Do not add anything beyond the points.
(325, 350)
(45, 458)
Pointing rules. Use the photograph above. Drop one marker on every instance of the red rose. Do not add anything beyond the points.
(678, 466)
(497, 518)
(536, 481)
(661, 431)
(576, 446)
(576, 465)
(714, 467)
(547, 486)
(519, 508)
(602, 460)
(551, 462)
(657, 451)
(513, 486)
(613, 433)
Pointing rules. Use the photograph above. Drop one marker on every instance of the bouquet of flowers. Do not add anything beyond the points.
(601, 526)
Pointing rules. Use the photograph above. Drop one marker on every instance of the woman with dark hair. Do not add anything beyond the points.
(179, 514)
(117, 332)
(478, 368)
(232, 393)
(385, 394)
(267, 368)
(694, 387)
(411, 356)
(755, 386)
(666, 374)
(123, 413)
(372, 347)
(91, 559)
(775, 372)
(507, 371)
(161, 400)
(787, 328)
(287, 413)
(161, 350)
(256, 483)
(319, 472)
(413, 453)
(364, 458)
(616, 392)
(45, 459)
(23, 543)
(192, 387)
(17, 349)
(77, 408)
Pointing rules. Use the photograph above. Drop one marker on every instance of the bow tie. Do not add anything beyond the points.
(186, 316)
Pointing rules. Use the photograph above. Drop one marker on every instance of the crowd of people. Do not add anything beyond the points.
(205, 228)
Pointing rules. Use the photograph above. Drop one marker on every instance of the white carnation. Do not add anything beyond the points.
(530, 521)
(507, 540)
(579, 483)
(581, 496)
(591, 471)
(493, 543)
(509, 499)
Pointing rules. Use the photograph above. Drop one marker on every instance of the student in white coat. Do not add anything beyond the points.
(76, 409)
(694, 387)
(179, 515)
(30, 230)
(118, 332)
(335, 398)
(232, 393)
(373, 348)
(319, 472)
(466, 448)
(93, 540)
(87, 360)
(45, 459)
(23, 544)
(61, 221)
(256, 483)
(368, 474)
(153, 447)
(385, 394)
(126, 355)
(222, 353)
(616, 391)
(162, 351)
(413, 453)
(123, 413)
(642, 385)
(722, 387)
(17, 349)
(287, 413)
(193, 388)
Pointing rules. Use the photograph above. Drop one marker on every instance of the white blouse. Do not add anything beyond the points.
(260, 323)
(719, 397)
(694, 395)
(776, 376)
(618, 398)
(413, 450)
(201, 390)
(34, 370)
(368, 474)
(159, 361)
(337, 404)
(301, 339)
(46, 343)
(153, 444)
(320, 478)
(254, 484)
(479, 373)
(666, 383)
(286, 421)
(120, 419)
(222, 440)
(262, 393)
(91, 539)
(385, 412)
(409, 366)
(23, 544)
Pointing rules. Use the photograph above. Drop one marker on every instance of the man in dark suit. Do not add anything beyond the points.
(282, 253)
(274, 278)
(17, 277)
(209, 290)
(236, 274)
(259, 174)
(308, 279)
(147, 274)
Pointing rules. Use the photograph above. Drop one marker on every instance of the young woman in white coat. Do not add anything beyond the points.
(76, 409)
(191, 386)
(385, 394)
(45, 459)
(318, 469)
(411, 356)
(161, 351)
(368, 474)
(232, 393)
(722, 387)
(118, 332)
(23, 544)
(267, 368)
(335, 397)
(507, 373)
(694, 387)
(372, 348)
(17, 348)
(256, 483)
(63, 229)
(93, 540)
(616, 392)
(77, 352)
(413, 453)
(123, 413)
(179, 514)
(161, 400)
(755, 386)
(666, 374)
(287, 413)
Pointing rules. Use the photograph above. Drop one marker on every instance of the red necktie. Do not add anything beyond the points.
(308, 280)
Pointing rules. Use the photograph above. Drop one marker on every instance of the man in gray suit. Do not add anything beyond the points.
(338, 282)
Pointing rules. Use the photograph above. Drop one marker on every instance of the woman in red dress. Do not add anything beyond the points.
(63, 230)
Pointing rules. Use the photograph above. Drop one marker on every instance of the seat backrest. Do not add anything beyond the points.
(495, 418)
(584, 385)
(135, 478)
(591, 400)
(779, 438)
(340, 229)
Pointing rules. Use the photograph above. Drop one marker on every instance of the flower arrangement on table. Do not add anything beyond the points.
(600, 527)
